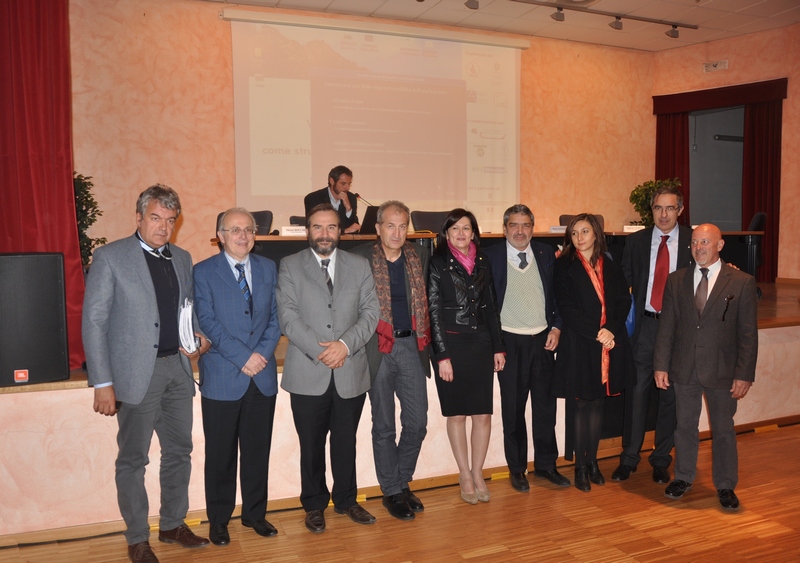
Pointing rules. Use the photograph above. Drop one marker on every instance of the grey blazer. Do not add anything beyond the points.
(308, 315)
(720, 345)
(120, 317)
(375, 356)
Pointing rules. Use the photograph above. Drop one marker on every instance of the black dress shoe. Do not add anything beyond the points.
(728, 499)
(398, 507)
(661, 475)
(677, 488)
(520, 483)
(413, 502)
(594, 474)
(553, 476)
(623, 472)
(218, 534)
(315, 521)
(357, 514)
(262, 528)
(183, 536)
(582, 479)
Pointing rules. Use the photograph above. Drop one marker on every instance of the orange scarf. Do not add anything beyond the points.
(596, 275)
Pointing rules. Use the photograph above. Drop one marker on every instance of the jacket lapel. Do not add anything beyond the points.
(720, 288)
(314, 270)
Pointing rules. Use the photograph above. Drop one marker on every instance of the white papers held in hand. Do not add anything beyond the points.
(186, 328)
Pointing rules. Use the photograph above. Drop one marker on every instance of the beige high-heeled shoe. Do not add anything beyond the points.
(469, 498)
(483, 496)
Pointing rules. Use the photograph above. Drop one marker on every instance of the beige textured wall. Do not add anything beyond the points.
(760, 56)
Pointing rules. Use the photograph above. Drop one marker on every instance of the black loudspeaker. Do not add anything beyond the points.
(33, 319)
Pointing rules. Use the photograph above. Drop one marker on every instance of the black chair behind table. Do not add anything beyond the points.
(753, 242)
(263, 221)
(564, 220)
(297, 220)
(428, 220)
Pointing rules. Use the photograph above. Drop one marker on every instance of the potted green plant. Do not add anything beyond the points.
(86, 211)
(642, 194)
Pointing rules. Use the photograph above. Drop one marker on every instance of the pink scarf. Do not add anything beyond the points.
(466, 260)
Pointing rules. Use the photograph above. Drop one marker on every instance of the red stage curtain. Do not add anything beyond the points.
(38, 203)
(672, 154)
(761, 178)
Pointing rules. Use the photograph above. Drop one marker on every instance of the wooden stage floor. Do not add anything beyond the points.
(630, 521)
(779, 305)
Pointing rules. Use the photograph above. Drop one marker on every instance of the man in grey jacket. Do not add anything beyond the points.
(328, 309)
(138, 368)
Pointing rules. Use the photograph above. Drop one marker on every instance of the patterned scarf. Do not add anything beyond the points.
(466, 260)
(596, 275)
(420, 321)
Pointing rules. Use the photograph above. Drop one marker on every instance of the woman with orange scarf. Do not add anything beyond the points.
(594, 356)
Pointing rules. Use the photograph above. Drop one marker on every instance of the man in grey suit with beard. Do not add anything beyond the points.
(328, 309)
(707, 345)
(138, 369)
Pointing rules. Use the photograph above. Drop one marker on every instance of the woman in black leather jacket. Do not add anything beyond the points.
(467, 346)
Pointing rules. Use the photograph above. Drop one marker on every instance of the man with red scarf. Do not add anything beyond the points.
(398, 356)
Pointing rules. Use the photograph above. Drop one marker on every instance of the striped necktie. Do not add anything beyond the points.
(242, 281)
(324, 264)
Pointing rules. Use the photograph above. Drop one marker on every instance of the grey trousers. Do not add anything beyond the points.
(724, 455)
(400, 374)
(167, 409)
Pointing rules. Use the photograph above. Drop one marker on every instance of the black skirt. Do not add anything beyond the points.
(472, 389)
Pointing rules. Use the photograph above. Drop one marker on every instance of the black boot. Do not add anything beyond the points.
(582, 479)
(594, 474)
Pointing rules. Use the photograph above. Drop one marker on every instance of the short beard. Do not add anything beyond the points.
(316, 247)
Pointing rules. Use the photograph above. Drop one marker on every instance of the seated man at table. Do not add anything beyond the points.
(337, 193)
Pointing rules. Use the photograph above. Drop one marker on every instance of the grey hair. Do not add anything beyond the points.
(517, 208)
(235, 210)
(667, 190)
(392, 204)
(164, 195)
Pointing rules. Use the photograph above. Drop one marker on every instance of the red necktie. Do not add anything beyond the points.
(660, 275)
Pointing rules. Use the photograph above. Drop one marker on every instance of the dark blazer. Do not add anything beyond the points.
(578, 363)
(308, 314)
(545, 260)
(374, 356)
(459, 302)
(234, 333)
(121, 320)
(636, 264)
(322, 196)
(720, 345)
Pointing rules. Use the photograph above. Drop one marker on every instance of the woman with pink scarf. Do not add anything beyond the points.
(467, 346)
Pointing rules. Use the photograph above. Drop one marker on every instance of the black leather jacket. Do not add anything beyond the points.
(460, 303)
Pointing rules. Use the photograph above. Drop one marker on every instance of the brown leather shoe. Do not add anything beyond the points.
(315, 521)
(357, 514)
(183, 536)
(142, 552)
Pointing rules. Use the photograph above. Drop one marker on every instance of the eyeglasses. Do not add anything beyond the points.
(668, 209)
(236, 231)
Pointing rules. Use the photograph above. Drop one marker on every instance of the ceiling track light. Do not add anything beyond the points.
(558, 15)
(674, 33)
(616, 24)
(472, 4)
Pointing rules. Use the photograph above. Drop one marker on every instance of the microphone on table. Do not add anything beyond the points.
(362, 199)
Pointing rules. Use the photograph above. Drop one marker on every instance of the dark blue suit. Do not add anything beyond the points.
(528, 370)
(238, 410)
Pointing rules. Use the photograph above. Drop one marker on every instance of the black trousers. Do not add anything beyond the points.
(237, 427)
(528, 372)
(314, 417)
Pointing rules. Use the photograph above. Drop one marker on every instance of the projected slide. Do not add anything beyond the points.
(433, 123)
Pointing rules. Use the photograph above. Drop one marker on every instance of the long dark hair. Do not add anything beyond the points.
(599, 238)
(452, 218)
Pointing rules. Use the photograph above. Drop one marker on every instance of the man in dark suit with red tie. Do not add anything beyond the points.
(649, 256)
(707, 345)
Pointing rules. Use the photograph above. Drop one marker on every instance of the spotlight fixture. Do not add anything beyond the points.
(472, 4)
(558, 15)
(672, 32)
(616, 24)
